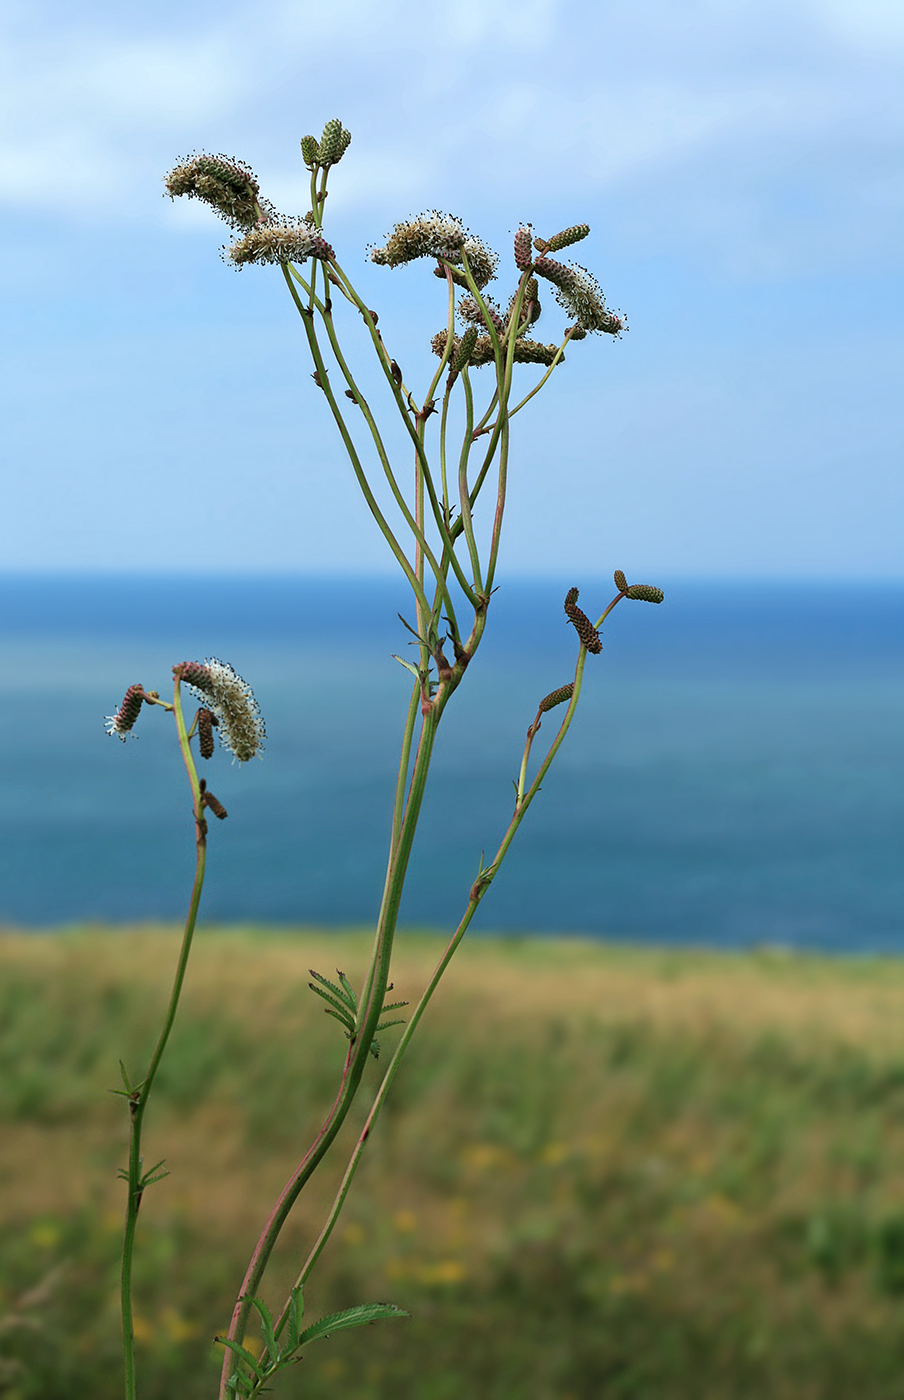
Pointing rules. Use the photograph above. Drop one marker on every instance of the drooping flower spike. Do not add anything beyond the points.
(231, 699)
(229, 187)
(122, 722)
(579, 293)
(279, 241)
(437, 235)
(482, 351)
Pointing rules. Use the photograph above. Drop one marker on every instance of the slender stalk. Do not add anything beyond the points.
(464, 498)
(481, 885)
(404, 762)
(349, 445)
(371, 1002)
(138, 1097)
(415, 431)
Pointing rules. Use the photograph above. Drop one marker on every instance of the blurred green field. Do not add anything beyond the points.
(603, 1172)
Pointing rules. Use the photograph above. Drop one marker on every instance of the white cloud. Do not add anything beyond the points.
(687, 120)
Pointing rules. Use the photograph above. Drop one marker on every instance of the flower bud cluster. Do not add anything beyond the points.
(462, 355)
(644, 592)
(526, 351)
(121, 723)
(532, 352)
(227, 186)
(556, 697)
(437, 235)
(232, 703)
(567, 237)
(578, 292)
(522, 248)
(590, 637)
(288, 240)
(206, 721)
(333, 143)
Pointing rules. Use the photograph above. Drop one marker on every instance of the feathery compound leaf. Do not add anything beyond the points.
(153, 1176)
(349, 1000)
(393, 1006)
(360, 1316)
(340, 1006)
(385, 1025)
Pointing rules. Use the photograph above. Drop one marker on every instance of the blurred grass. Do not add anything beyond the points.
(603, 1172)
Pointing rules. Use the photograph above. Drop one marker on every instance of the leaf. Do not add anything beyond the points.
(411, 629)
(341, 1006)
(296, 1312)
(384, 1025)
(393, 1006)
(151, 1180)
(348, 987)
(408, 666)
(267, 1327)
(360, 1316)
(125, 1079)
(244, 1353)
(337, 991)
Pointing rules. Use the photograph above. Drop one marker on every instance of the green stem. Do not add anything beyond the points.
(464, 499)
(415, 523)
(415, 432)
(371, 1003)
(349, 445)
(478, 890)
(138, 1098)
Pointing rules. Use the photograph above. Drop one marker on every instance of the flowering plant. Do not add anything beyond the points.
(448, 551)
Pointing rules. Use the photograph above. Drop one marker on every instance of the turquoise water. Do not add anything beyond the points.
(732, 778)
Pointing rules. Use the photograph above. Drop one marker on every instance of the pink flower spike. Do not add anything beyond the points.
(121, 723)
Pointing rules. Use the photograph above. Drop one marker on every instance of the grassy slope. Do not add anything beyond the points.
(603, 1172)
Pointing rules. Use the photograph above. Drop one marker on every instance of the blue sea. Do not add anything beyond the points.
(732, 779)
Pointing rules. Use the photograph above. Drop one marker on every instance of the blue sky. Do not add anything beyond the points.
(740, 166)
